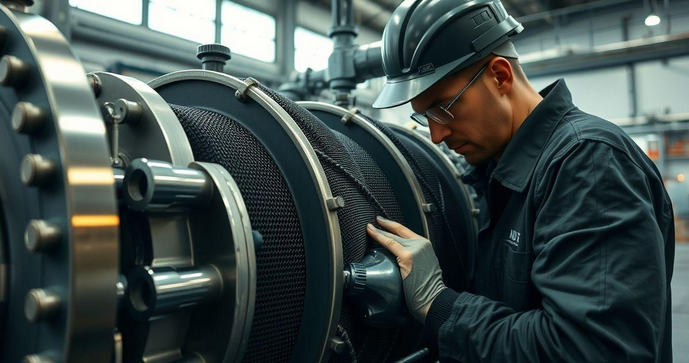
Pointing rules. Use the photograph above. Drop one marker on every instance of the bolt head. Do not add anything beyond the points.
(40, 236)
(27, 118)
(36, 171)
(13, 71)
(40, 304)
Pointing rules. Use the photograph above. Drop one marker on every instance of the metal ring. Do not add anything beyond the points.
(81, 198)
(243, 296)
(334, 243)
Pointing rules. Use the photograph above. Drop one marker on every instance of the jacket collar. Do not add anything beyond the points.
(516, 166)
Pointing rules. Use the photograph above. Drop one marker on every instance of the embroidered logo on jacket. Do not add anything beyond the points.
(514, 238)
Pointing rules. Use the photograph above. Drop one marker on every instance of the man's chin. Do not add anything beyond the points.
(474, 159)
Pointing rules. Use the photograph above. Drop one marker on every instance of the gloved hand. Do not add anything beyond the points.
(421, 274)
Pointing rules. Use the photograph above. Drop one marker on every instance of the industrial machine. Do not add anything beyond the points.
(202, 217)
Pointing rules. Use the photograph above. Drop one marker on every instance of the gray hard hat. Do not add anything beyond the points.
(425, 41)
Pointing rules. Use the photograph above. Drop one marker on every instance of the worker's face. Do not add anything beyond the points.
(482, 124)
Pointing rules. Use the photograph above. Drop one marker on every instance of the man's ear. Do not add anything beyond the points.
(502, 75)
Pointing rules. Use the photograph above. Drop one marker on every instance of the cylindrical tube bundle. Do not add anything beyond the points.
(354, 175)
(281, 273)
(154, 185)
(156, 291)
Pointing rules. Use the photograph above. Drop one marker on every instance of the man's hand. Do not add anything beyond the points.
(422, 280)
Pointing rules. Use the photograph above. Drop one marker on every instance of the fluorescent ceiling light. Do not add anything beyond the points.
(652, 20)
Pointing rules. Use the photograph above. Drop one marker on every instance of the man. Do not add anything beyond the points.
(575, 254)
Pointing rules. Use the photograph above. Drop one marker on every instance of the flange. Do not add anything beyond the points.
(66, 206)
(275, 129)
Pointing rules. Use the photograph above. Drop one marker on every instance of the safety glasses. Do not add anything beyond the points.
(442, 114)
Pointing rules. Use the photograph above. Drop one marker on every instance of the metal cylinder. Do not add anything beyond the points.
(374, 286)
(158, 186)
(368, 61)
(156, 291)
(41, 304)
(41, 236)
(119, 181)
(213, 56)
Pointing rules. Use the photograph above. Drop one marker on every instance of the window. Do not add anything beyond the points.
(129, 11)
(248, 32)
(311, 50)
(191, 20)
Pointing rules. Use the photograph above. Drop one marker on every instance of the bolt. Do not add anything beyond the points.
(96, 84)
(337, 345)
(41, 236)
(335, 203)
(127, 112)
(428, 207)
(27, 118)
(13, 71)
(36, 170)
(41, 304)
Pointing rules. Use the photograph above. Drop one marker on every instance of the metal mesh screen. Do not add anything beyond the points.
(281, 266)
(351, 173)
(354, 175)
(450, 235)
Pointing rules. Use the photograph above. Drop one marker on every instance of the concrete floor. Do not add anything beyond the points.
(680, 304)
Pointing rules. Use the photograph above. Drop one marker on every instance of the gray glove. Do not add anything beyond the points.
(421, 274)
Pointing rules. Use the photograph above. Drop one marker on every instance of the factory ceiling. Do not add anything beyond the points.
(375, 13)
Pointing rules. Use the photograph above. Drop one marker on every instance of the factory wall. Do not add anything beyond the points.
(659, 85)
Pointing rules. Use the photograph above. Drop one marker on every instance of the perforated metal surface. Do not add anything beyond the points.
(450, 219)
(281, 267)
(353, 175)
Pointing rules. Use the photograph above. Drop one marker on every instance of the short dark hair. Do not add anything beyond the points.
(472, 69)
(517, 69)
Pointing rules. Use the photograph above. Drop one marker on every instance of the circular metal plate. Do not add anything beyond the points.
(223, 237)
(308, 185)
(150, 239)
(158, 135)
(79, 198)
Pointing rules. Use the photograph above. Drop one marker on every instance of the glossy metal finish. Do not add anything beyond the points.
(230, 247)
(37, 171)
(46, 73)
(38, 358)
(157, 135)
(13, 71)
(334, 292)
(41, 304)
(155, 185)
(162, 290)
(28, 118)
(375, 287)
(41, 236)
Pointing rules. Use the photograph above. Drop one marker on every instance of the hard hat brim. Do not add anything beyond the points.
(398, 92)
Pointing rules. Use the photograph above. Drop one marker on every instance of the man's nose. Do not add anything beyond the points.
(438, 132)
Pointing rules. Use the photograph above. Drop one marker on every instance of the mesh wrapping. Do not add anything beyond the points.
(351, 173)
(281, 265)
(355, 176)
(450, 237)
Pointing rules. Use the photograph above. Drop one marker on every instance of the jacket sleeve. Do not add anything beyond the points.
(599, 266)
